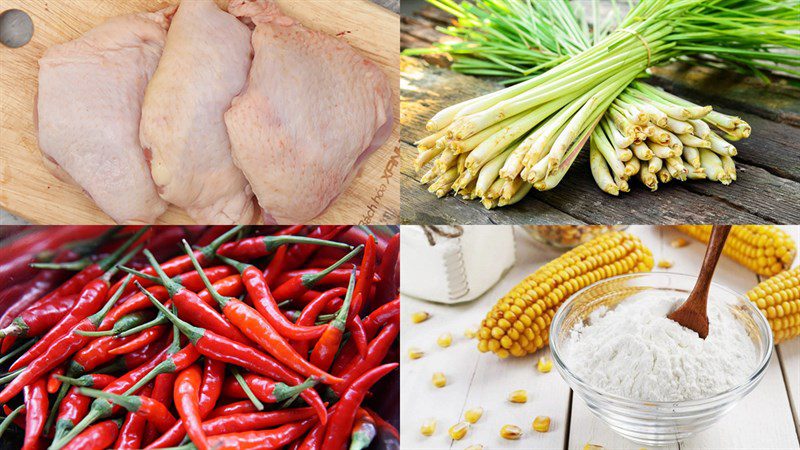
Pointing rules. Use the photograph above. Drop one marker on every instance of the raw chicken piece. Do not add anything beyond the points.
(88, 112)
(204, 65)
(311, 112)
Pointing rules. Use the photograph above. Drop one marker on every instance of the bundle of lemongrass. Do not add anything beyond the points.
(499, 146)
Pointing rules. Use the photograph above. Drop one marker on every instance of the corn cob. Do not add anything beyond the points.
(765, 249)
(518, 323)
(778, 298)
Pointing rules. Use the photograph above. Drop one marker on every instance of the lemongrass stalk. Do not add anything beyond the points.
(697, 174)
(443, 184)
(622, 184)
(464, 179)
(519, 195)
(430, 140)
(444, 162)
(661, 151)
(428, 176)
(655, 164)
(622, 123)
(701, 128)
(570, 132)
(495, 190)
(445, 117)
(675, 143)
(632, 167)
(489, 172)
(676, 168)
(554, 178)
(606, 148)
(442, 143)
(695, 111)
(600, 171)
(623, 154)
(721, 146)
(694, 141)
(679, 126)
(642, 151)
(674, 111)
(655, 115)
(461, 163)
(425, 157)
(514, 163)
(467, 145)
(692, 156)
(743, 130)
(489, 203)
(712, 165)
(723, 121)
(634, 113)
(657, 134)
(648, 179)
(729, 166)
(620, 140)
(664, 176)
(510, 188)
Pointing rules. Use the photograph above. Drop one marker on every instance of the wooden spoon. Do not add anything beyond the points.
(692, 313)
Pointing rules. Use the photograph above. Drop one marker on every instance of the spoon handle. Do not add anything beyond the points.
(715, 245)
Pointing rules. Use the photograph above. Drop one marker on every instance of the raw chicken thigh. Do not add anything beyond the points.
(88, 112)
(311, 112)
(204, 65)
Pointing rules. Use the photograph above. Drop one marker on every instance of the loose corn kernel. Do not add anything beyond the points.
(459, 430)
(439, 380)
(511, 432)
(664, 263)
(765, 249)
(420, 316)
(470, 333)
(473, 415)
(679, 243)
(415, 353)
(593, 447)
(444, 340)
(475, 447)
(518, 396)
(541, 424)
(428, 427)
(544, 365)
(518, 323)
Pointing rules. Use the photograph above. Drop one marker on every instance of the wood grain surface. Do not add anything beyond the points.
(28, 190)
(768, 162)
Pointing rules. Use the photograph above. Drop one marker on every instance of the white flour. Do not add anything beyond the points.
(634, 351)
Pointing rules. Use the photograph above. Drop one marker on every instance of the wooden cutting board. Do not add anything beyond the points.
(28, 190)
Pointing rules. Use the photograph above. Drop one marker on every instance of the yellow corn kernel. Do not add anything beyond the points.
(470, 333)
(593, 447)
(439, 380)
(415, 353)
(420, 316)
(679, 243)
(428, 427)
(473, 415)
(664, 263)
(475, 447)
(778, 298)
(544, 365)
(518, 396)
(541, 424)
(511, 432)
(444, 340)
(459, 430)
(765, 249)
(518, 323)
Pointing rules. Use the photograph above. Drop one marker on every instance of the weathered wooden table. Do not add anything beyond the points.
(767, 418)
(767, 191)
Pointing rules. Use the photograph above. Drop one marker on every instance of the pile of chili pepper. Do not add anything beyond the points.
(212, 337)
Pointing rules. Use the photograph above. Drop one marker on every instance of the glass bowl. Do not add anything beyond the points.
(657, 423)
(568, 236)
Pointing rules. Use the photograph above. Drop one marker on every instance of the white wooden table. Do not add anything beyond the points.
(766, 419)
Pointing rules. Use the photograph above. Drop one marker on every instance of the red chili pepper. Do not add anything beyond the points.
(75, 405)
(155, 411)
(52, 382)
(132, 429)
(337, 277)
(260, 246)
(266, 390)
(96, 437)
(364, 283)
(96, 353)
(372, 324)
(142, 339)
(290, 230)
(296, 286)
(364, 430)
(68, 342)
(312, 310)
(35, 412)
(377, 351)
(299, 254)
(358, 335)
(388, 271)
(328, 344)
(245, 406)
(341, 422)
(211, 233)
(162, 392)
(263, 439)
(39, 318)
(134, 302)
(187, 402)
(265, 304)
(262, 332)
(231, 286)
(181, 264)
(217, 347)
(275, 266)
